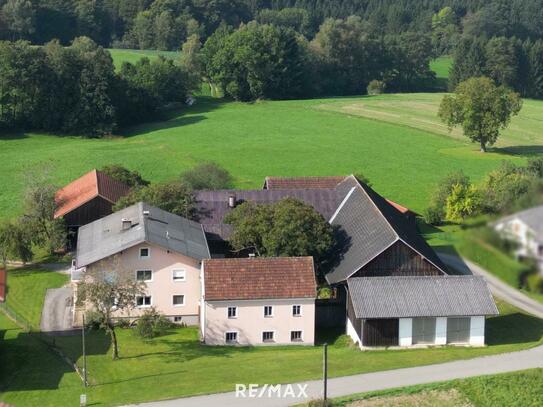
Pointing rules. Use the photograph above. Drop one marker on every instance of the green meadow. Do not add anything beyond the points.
(404, 160)
(134, 55)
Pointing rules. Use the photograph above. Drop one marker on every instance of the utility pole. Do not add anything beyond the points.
(84, 353)
(325, 373)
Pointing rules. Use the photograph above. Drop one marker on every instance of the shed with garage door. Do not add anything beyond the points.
(411, 311)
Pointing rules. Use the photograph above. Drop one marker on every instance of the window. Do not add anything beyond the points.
(232, 312)
(268, 311)
(143, 301)
(231, 337)
(178, 300)
(296, 310)
(178, 319)
(145, 253)
(144, 275)
(296, 336)
(179, 275)
(267, 336)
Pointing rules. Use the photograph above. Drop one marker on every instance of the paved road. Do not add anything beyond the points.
(344, 386)
(497, 286)
(56, 317)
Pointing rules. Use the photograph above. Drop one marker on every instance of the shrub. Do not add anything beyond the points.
(152, 324)
(124, 175)
(535, 166)
(534, 283)
(376, 87)
(207, 176)
(123, 323)
(93, 320)
(433, 215)
(463, 201)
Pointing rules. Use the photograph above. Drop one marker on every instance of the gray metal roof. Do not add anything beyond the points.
(532, 217)
(371, 225)
(407, 297)
(105, 237)
(212, 206)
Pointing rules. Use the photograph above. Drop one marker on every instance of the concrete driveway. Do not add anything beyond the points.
(56, 317)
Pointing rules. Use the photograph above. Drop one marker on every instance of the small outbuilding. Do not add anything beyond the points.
(410, 311)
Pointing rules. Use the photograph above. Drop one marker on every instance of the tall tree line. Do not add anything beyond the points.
(76, 90)
(166, 24)
(511, 62)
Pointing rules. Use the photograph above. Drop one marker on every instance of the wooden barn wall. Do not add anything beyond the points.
(398, 260)
(381, 332)
(89, 212)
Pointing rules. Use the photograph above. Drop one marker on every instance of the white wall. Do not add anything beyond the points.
(441, 331)
(406, 332)
(477, 331)
(352, 333)
(250, 321)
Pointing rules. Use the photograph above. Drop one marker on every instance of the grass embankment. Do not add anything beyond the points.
(26, 291)
(523, 388)
(255, 140)
(184, 367)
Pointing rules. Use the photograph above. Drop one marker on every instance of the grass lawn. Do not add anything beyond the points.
(134, 55)
(523, 388)
(26, 291)
(254, 140)
(184, 367)
(441, 66)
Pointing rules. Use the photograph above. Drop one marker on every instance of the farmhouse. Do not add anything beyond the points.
(157, 247)
(88, 198)
(394, 287)
(526, 229)
(258, 301)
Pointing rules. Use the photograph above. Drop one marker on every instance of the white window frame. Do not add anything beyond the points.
(178, 295)
(301, 335)
(271, 314)
(144, 305)
(235, 312)
(268, 341)
(148, 253)
(182, 280)
(231, 332)
(145, 281)
(300, 313)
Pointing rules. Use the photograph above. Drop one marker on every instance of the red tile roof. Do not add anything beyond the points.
(301, 182)
(259, 278)
(89, 186)
(399, 207)
(3, 285)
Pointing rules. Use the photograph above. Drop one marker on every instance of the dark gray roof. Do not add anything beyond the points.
(407, 297)
(532, 217)
(370, 225)
(212, 206)
(105, 237)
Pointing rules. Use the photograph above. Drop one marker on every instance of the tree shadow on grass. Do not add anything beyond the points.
(513, 328)
(519, 150)
(12, 135)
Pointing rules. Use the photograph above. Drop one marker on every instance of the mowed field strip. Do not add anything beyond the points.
(419, 110)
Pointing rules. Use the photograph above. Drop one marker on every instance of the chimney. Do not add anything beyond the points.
(127, 224)
(231, 201)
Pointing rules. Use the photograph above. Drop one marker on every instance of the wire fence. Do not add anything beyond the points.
(19, 319)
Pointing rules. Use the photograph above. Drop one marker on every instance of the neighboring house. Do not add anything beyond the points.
(418, 310)
(526, 229)
(88, 198)
(258, 301)
(3, 284)
(159, 248)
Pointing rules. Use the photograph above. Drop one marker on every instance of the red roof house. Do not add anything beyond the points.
(88, 198)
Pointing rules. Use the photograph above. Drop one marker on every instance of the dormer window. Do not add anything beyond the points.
(145, 253)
